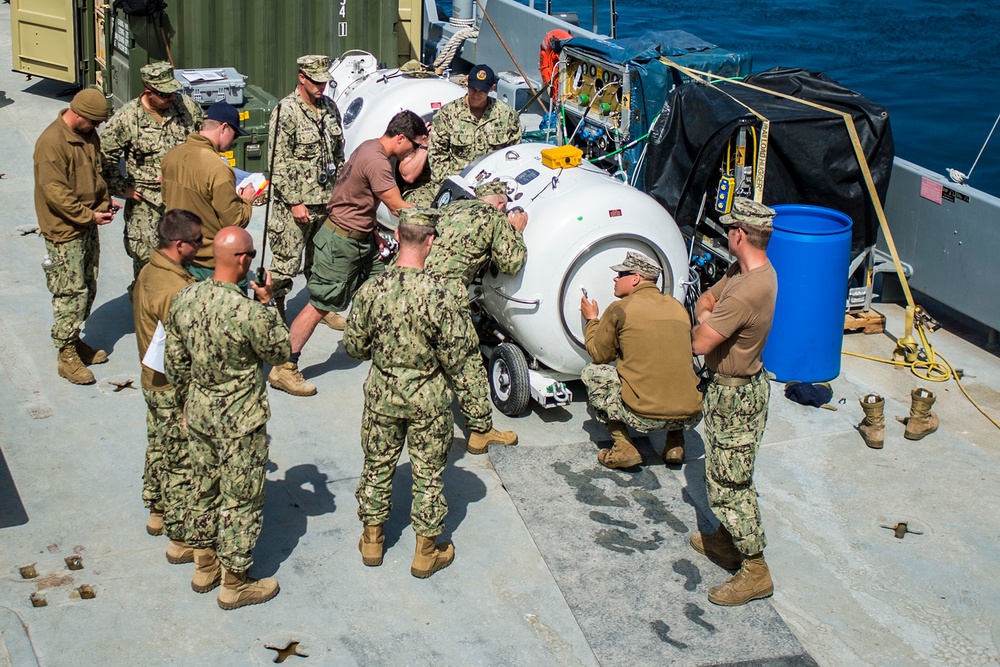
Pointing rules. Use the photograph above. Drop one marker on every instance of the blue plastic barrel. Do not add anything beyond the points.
(810, 250)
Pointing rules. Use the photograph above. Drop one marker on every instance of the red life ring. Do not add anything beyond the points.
(548, 61)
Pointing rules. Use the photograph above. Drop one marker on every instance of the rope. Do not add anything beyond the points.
(451, 48)
(988, 137)
(933, 370)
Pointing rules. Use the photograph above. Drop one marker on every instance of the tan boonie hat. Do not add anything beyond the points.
(747, 212)
(639, 263)
(494, 187)
(91, 104)
(425, 217)
(316, 68)
(160, 77)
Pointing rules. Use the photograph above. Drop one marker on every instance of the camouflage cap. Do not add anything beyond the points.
(315, 68)
(494, 187)
(639, 263)
(748, 213)
(425, 217)
(160, 77)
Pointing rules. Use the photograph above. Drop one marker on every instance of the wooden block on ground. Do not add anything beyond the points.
(865, 321)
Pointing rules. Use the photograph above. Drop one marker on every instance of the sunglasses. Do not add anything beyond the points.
(197, 241)
(249, 253)
(624, 274)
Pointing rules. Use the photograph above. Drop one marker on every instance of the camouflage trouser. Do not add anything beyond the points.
(472, 388)
(141, 219)
(734, 425)
(72, 279)
(424, 195)
(228, 494)
(166, 480)
(341, 265)
(428, 442)
(288, 239)
(604, 394)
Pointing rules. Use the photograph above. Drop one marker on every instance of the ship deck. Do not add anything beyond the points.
(558, 560)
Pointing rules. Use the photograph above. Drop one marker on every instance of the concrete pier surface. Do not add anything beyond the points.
(558, 561)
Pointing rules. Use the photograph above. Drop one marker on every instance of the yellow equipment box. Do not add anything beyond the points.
(559, 157)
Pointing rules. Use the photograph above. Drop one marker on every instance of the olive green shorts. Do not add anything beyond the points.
(340, 266)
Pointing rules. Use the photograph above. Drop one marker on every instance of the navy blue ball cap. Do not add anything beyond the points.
(224, 112)
(481, 77)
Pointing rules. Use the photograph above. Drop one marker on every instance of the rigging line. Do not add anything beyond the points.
(990, 136)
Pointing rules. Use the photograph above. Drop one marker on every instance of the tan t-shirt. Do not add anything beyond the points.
(743, 316)
(364, 176)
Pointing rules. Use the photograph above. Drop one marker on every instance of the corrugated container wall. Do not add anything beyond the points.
(263, 38)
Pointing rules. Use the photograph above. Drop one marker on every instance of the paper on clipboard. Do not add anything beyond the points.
(154, 353)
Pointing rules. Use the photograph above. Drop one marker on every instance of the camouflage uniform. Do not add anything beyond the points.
(308, 142)
(470, 234)
(604, 393)
(458, 139)
(417, 334)
(166, 479)
(72, 279)
(734, 425)
(217, 339)
(135, 134)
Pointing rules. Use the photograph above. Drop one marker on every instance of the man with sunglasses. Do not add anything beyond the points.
(653, 387)
(137, 138)
(733, 321)
(217, 342)
(308, 145)
(348, 245)
(196, 179)
(166, 479)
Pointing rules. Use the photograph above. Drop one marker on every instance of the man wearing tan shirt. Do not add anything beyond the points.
(654, 387)
(166, 478)
(71, 201)
(196, 179)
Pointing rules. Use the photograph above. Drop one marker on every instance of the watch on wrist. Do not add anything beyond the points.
(270, 304)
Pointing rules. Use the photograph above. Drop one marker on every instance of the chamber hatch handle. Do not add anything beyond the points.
(527, 302)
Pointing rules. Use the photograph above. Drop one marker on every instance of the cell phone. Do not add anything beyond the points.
(584, 290)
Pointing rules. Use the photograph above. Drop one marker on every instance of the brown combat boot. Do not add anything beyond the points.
(334, 320)
(239, 590)
(371, 545)
(673, 451)
(872, 427)
(752, 582)
(431, 557)
(623, 453)
(154, 524)
(72, 368)
(207, 571)
(719, 547)
(921, 422)
(179, 553)
(287, 378)
(89, 355)
(479, 443)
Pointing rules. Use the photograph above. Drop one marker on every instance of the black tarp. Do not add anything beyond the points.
(810, 159)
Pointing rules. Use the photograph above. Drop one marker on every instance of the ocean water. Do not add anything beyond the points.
(932, 64)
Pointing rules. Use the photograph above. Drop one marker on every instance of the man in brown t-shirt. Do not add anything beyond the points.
(348, 245)
(654, 387)
(734, 318)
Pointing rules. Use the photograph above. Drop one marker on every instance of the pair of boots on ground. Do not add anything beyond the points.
(921, 422)
(428, 558)
(73, 361)
(623, 453)
(238, 590)
(752, 580)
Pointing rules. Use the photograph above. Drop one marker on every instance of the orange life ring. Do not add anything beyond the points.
(548, 61)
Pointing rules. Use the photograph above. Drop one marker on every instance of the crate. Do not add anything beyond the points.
(250, 152)
(212, 84)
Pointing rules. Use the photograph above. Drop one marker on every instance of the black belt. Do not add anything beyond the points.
(349, 233)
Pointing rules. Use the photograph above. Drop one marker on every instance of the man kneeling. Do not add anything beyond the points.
(654, 387)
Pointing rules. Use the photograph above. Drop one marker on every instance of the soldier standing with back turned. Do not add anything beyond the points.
(142, 132)
(308, 150)
(734, 319)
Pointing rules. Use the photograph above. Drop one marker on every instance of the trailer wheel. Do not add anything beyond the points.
(509, 385)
